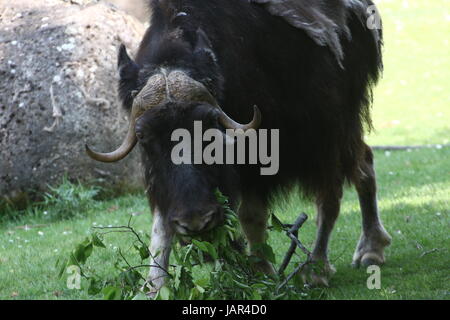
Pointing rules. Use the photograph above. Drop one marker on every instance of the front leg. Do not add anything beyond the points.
(160, 246)
(253, 215)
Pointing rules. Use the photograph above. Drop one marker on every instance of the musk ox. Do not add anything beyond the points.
(307, 66)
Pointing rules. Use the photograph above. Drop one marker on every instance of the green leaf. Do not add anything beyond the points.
(94, 287)
(130, 277)
(88, 247)
(200, 289)
(277, 224)
(206, 247)
(241, 285)
(62, 268)
(256, 295)
(177, 278)
(143, 251)
(200, 244)
(258, 286)
(195, 294)
(203, 282)
(140, 296)
(83, 251)
(97, 242)
(164, 293)
(78, 254)
(111, 293)
(223, 200)
(72, 260)
(266, 251)
(176, 254)
(187, 254)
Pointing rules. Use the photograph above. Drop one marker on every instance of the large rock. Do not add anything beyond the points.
(137, 8)
(58, 91)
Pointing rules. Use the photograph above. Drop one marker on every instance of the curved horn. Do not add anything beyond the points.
(152, 94)
(127, 145)
(229, 123)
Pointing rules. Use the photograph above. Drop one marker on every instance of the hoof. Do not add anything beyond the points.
(371, 258)
(317, 274)
(370, 250)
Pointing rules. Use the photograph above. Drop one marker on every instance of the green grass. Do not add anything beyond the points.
(412, 101)
(414, 204)
(28, 257)
(411, 107)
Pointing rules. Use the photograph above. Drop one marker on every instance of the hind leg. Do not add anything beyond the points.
(374, 238)
(328, 206)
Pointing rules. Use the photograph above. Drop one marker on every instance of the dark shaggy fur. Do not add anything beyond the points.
(324, 21)
(252, 57)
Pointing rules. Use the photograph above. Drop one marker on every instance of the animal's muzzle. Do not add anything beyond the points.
(195, 222)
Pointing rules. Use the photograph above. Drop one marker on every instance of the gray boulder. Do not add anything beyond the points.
(58, 91)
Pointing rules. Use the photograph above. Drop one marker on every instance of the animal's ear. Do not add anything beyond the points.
(203, 42)
(203, 47)
(128, 72)
(128, 69)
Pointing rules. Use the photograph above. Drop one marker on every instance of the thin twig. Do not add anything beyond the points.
(429, 252)
(95, 101)
(299, 244)
(142, 266)
(298, 269)
(129, 229)
(293, 229)
(57, 114)
(292, 233)
(130, 267)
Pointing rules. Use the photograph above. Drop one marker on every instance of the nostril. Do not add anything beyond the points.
(180, 223)
(195, 221)
(184, 227)
(209, 215)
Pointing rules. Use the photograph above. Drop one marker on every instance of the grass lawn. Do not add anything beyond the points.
(412, 101)
(411, 107)
(414, 202)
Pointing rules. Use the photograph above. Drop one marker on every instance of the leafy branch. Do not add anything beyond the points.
(231, 275)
